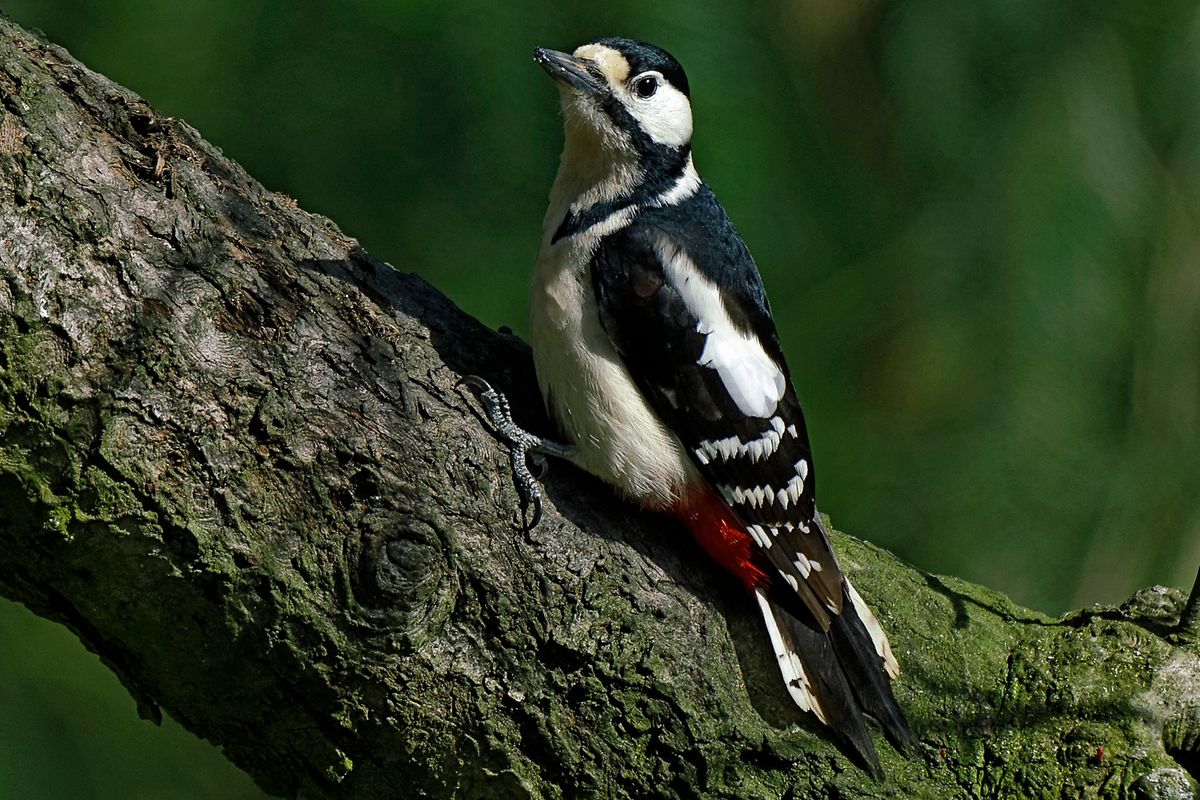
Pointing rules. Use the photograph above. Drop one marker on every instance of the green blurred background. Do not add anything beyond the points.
(977, 221)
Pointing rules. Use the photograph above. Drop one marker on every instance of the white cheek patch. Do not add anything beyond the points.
(666, 116)
(753, 380)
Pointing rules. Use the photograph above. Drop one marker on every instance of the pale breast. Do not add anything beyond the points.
(586, 386)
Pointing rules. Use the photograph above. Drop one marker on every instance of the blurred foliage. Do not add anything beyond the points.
(978, 223)
(70, 729)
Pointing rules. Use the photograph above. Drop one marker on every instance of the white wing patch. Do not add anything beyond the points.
(753, 380)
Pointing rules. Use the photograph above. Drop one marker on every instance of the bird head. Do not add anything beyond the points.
(625, 97)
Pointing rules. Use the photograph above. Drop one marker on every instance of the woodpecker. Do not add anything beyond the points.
(657, 356)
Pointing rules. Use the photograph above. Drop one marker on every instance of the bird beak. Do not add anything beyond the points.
(567, 69)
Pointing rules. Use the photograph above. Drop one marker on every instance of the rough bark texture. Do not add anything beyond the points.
(233, 460)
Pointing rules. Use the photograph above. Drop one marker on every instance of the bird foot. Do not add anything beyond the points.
(524, 447)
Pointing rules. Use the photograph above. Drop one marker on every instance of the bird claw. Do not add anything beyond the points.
(523, 448)
(535, 500)
(528, 490)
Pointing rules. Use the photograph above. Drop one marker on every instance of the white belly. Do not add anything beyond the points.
(587, 388)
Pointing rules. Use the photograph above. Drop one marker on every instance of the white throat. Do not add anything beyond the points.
(592, 170)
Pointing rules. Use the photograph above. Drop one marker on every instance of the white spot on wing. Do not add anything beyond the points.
(762, 496)
(793, 490)
(721, 448)
(731, 447)
(761, 537)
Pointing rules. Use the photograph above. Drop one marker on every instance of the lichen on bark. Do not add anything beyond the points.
(234, 461)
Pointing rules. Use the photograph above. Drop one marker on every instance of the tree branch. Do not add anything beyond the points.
(233, 461)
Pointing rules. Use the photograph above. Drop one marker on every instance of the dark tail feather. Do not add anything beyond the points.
(864, 670)
(843, 675)
(837, 705)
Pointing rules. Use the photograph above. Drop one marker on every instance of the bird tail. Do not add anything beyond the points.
(841, 673)
(838, 674)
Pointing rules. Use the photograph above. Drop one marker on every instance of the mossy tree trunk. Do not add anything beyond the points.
(233, 460)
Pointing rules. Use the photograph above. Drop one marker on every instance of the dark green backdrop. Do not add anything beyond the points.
(977, 221)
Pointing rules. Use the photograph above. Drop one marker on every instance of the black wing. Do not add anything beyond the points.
(712, 368)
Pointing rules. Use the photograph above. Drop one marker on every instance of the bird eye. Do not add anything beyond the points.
(645, 86)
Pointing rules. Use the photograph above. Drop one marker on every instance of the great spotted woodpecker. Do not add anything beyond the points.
(657, 355)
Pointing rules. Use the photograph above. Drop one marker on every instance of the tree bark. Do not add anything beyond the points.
(234, 461)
